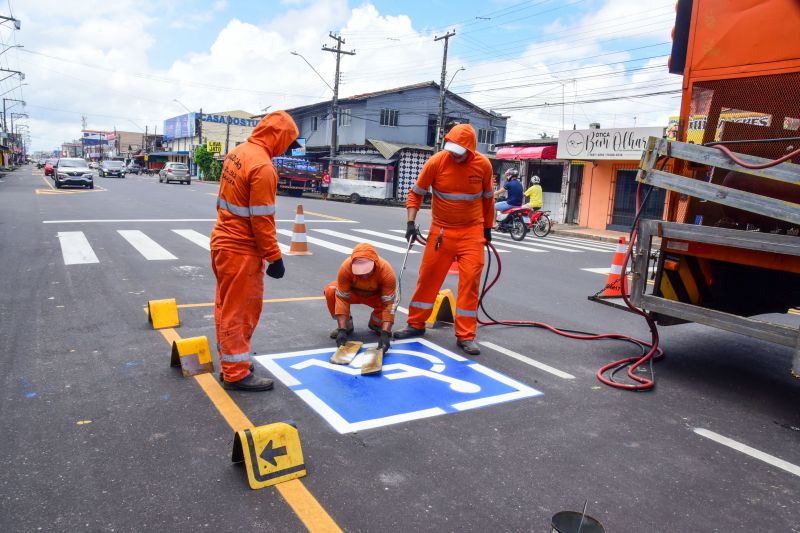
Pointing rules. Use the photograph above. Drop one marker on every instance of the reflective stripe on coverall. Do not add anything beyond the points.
(244, 238)
(462, 206)
(376, 290)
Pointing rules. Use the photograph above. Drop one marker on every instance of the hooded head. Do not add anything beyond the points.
(363, 259)
(464, 136)
(276, 132)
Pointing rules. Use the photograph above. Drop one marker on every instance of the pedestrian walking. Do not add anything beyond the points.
(463, 214)
(326, 183)
(243, 242)
(363, 278)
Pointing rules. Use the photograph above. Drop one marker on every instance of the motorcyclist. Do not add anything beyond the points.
(534, 194)
(513, 189)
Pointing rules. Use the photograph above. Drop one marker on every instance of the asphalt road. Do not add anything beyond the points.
(100, 434)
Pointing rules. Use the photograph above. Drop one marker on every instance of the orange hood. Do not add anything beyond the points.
(276, 132)
(366, 251)
(463, 135)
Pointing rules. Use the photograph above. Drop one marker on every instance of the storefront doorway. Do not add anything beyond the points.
(625, 201)
(573, 200)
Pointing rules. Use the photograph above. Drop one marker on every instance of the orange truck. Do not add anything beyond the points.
(296, 175)
(727, 254)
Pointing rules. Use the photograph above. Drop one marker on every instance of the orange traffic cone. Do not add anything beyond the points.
(299, 245)
(453, 268)
(617, 280)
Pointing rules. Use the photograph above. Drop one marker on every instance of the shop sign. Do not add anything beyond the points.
(233, 121)
(215, 147)
(616, 143)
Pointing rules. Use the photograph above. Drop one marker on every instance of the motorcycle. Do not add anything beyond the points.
(517, 221)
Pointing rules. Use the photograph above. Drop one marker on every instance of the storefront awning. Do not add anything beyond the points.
(526, 152)
(368, 159)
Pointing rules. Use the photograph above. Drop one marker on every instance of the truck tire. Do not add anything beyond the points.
(355, 198)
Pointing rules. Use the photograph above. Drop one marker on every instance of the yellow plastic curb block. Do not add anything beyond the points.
(271, 454)
(444, 309)
(192, 355)
(163, 313)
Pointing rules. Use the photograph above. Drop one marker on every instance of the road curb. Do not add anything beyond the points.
(566, 232)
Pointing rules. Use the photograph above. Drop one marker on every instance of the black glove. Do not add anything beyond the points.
(487, 234)
(411, 231)
(341, 337)
(383, 343)
(276, 269)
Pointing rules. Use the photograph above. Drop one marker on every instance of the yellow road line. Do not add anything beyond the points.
(323, 215)
(294, 492)
(273, 301)
(44, 178)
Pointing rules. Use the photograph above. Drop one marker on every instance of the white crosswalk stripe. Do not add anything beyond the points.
(320, 242)
(516, 247)
(196, 237)
(534, 244)
(146, 246)
(376, 244)
(75, 248)
(381, 234)
(602, 245)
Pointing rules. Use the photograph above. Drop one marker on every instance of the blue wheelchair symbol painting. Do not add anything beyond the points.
(419, 380)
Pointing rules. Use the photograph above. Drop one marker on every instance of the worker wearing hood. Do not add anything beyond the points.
(364, 278)
(463, 214)
(243, 242)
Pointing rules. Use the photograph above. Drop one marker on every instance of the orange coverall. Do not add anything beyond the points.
(462, 206)
(376, 290)
(244, 238)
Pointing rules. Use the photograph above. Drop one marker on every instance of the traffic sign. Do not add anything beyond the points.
(419, 379)
(215, 147)
(272, 454)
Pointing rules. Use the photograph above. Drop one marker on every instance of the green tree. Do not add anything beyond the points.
(204, 160)
(215, 170)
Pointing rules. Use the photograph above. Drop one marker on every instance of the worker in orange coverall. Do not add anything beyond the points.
(463, 214)
(243, 241)
(364, 278)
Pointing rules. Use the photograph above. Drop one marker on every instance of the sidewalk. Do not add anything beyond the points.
(572, 230)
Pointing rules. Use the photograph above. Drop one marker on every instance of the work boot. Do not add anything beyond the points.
(469, 346)
(348, 328)
(251, 383)
(408, 332)
(373, 327)
(252, 368)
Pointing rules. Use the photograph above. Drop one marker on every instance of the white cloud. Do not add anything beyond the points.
(248, 65)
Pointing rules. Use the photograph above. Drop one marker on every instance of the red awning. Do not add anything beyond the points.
(526, 152)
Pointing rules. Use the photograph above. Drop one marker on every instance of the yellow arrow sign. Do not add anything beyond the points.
(272, 454)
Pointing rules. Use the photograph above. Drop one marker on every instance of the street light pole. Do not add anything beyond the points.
(335, 103)
(442, 89)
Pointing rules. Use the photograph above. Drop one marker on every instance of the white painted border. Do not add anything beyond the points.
(747, 450)
(527, 360)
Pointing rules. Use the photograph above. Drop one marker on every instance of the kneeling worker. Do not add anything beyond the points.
(364, 278)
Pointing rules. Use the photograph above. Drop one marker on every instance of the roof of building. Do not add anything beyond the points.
(530, 142)
(389, 149)
(405, 88)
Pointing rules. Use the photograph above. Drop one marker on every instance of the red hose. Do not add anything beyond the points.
(768, 164)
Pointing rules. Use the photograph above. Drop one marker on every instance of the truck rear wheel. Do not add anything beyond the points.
(355, 198)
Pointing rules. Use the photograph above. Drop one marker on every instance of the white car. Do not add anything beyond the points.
(174, 172)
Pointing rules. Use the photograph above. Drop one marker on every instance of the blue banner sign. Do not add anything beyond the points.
(179, 127)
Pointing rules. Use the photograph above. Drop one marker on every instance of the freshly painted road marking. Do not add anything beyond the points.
(517, 247)
(419, 380)
(381, 234)
(536, 244)
(319, 242)
(353, 238)
(587, 242)
(196, 237)
(113, 220)
(602, 270)
(76, 249)
(527, 360)
(747, 450)
(294, 492)
(150, 249)
(580, 245)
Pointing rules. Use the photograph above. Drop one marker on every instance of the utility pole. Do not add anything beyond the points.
(442, 89)
(227, 133)
(335, 104)
(83, 136)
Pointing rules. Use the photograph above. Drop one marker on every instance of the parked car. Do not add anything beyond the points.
(174, 172)
(40, 163)
(48, 166)
(73, 171)
(134, 168)
(94, 164)
(112, 168)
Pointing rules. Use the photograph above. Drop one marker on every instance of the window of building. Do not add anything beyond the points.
(389, 117)
(345, 117)
(487, 135)
(314, 124)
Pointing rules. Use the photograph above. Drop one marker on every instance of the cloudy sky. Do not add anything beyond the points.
(544, 63)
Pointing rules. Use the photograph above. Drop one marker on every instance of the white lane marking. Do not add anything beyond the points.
(589, 242)
(527, 360)
(603, 270)
(196, 237)
(76, 249)
(353, 238)
(534, 244)
(111, 220)
(150, 249)
(319, 242)
(381, 234)
(285, 248)
(517, 247)
(579, 245)
(747, 450)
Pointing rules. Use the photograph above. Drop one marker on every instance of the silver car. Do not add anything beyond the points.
(174, 172)
(72, 171)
